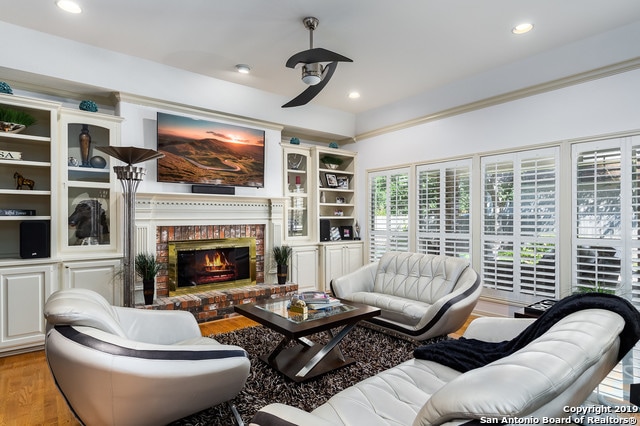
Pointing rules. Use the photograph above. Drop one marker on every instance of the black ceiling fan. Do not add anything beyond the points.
(314, 73)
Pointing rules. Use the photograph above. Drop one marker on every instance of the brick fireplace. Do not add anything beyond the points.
(172, 234)
(165, 218)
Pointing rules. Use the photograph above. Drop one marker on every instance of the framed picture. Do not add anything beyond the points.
(335, 233)
(343, 182)
(332, 181)
(346, 232)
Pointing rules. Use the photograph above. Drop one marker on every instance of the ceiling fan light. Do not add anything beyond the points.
(312, 74)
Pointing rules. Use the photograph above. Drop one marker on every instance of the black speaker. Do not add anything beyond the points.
(213, 189)
(325, 230)
(35, 240)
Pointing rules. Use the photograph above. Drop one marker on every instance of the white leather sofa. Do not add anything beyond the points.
(126, 366)
(420, 295)
(559, 369)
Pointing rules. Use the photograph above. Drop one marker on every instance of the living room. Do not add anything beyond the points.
(579, 101)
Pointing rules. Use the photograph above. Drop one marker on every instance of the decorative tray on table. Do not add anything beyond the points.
(540, 307)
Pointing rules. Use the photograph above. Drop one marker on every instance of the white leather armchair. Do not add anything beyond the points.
(126, 366)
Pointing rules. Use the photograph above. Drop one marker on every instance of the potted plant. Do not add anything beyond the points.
(282, 254)
(147, 268)
(13, 120)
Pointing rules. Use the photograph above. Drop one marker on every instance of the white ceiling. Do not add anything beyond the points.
(400, 48)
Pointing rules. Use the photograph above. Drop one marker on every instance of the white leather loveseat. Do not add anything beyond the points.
(552, 373)
(420, 295)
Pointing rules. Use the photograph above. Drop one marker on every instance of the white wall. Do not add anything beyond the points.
(67, 63)
(602, 50)
(605, 106)
(140, 129)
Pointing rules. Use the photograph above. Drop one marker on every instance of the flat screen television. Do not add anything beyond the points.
(207, 152)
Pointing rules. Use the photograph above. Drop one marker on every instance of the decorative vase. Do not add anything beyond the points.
(283, 271)
(85, 145)
(148, 287)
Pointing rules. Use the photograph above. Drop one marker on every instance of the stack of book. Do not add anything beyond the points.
(318, 300)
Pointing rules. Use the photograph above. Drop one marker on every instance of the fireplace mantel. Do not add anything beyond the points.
(201, 208)
(158, 211)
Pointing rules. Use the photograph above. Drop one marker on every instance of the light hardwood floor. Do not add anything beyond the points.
(29, 395)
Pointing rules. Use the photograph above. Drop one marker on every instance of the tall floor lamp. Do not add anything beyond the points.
(130, 177)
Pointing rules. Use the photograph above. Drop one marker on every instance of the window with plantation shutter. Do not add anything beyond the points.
(598, 216)
(606, 244)
(444, 209)
(520, 224)
(388, 212)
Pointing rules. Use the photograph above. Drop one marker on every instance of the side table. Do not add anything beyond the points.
(535, 310)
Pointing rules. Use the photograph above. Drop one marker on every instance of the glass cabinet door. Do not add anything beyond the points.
(89, 197)
(89, 219)
(296, 189)
(85, 163)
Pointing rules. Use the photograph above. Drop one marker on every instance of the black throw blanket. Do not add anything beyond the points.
(466, 354)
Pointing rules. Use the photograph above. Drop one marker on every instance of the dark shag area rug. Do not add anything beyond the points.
(373, 350)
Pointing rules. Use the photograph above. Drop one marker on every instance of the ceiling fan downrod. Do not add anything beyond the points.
(311, 24)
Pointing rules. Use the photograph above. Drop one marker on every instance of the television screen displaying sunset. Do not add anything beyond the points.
(207, 152)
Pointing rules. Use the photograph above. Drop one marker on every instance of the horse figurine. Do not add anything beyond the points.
(21, 181)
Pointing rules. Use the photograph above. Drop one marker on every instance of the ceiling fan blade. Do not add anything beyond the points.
(314, 55)
(312, 91)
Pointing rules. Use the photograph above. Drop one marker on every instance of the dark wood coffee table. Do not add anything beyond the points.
(307, 359)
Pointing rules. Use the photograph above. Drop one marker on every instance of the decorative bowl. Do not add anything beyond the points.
(331, 166)
(11, 127)
(98, 162)
(295, 161)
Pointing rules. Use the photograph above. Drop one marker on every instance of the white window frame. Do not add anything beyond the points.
(506, 282)
(394, 234)
(447, 242)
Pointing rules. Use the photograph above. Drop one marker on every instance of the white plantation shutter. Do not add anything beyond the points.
(388, 212)
(519, 224)
(598, 216)
(444, 209)
(538, 226)
(606, 247)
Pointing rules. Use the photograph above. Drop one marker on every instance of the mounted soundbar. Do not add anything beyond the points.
(213, 189)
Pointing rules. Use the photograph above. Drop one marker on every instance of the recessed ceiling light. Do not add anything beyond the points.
(354, 95)
(243, 68)
(523, 28)
(69, 6)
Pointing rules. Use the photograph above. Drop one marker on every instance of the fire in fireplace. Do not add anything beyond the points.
(199, 265)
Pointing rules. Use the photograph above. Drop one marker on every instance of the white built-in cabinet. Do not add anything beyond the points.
(101, 276)
(88, 183)
(339, 259)
(23, 293)
(304, 267)
(320, 192)
(49, 154)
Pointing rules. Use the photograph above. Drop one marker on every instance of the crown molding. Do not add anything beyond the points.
(188, 109)
(595, 74)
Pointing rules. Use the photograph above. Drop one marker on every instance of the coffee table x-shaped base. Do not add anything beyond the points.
(308, 359)
(305, 359)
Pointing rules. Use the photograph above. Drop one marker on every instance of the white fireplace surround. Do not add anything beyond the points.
(178, 209)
